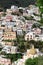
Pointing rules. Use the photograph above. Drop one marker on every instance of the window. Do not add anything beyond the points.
(30, 36)
(2, 25)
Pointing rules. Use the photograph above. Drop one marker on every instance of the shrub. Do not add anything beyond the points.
(31, 61)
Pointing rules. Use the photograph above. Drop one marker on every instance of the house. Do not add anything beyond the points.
(19, 62)
(13, 49)
(4, 61)
(1, 34)
(8, 11)
(42, 15)
(37, 31)
(31, 6)
(9, 17)
(30, 12)
(27, 13)
(10, 43)
(15, 17)
(41, 37)
(15, 28)
(31, 53)
(1, 13)
(29, 24)
(19, 24)
(19, 32)
(14, 8)
(9, 49)
(3, 22)
(9, 35)
(30, 36)
(41, 29)
(37, 18)
(34, 9)
(10, 24)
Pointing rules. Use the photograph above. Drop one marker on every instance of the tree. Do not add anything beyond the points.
(23, 3)
(21, 47)
(40, 5)
(36, 25)
(40, 2)
(40, 60)
(13, 57)
(31, 61)
(37, 44)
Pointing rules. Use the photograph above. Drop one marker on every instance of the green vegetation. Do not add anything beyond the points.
(13, 57)
(0, 49)
(36, 14)
(28, 18)
(21, 47)
(37, 44)
(40, 5)
(32, 61)
(40, 60)
(35, 61)
(36, 25)
(24, 45)
(41, 21)
(1, 64)
(20, 41)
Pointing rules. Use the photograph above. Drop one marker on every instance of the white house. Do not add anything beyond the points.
(29, 36)
(19, 62)
(14, 8)
(19, 32)
(1, 34)
(41, 37)
(41, 29)
(37, 18)
(13, 49)
(10, 49)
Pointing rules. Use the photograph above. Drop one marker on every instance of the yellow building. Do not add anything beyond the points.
(9, 35)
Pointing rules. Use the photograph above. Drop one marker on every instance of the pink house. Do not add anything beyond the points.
(5, 61)
(37, 30)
